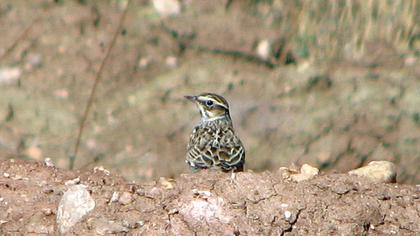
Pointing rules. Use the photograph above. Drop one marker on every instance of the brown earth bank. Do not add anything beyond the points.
(204, 203)
(348, 94)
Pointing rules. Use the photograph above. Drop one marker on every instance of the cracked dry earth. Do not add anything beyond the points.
(207, 203)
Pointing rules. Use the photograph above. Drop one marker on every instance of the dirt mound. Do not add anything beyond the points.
(208, 202)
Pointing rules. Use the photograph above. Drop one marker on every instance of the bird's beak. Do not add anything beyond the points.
(191, 98)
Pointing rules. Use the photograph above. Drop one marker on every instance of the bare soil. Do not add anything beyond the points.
(335, 113)
(208, 202)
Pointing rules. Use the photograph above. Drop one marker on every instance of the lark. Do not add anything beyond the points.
(213, 143)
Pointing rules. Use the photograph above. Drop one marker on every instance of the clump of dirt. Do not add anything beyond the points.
(208, 202)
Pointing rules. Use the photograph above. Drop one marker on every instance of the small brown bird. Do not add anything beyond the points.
(213, 143)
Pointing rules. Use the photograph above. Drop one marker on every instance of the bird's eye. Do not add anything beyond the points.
(209, 103)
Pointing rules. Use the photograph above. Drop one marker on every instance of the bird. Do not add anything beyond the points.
(213, 143)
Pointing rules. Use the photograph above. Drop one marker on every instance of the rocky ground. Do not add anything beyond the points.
(335, 100)
(38, 198)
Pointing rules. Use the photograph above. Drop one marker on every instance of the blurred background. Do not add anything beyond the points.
(335, 84)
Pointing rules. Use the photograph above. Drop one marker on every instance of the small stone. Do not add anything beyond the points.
(377, 171)
(105, 227)
(307, 169)
(115, 197)
(167, 8)
(9, 75)
(48, 162)
(17, 177)
(140, 192)
(204, 194)
(47, 190)
(102, 169)
(167, 184)
(341, 188)
(72, 181)
(284, 205)
(144, 62)
(287, 215)
(75, 203)
(47, 211)
(171, 61)
(307, 172)
(264, 49)
(6, 175)
(125, 198)
(285, 172)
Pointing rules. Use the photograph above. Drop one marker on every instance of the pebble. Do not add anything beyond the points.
(9, 75)
(166, 183)
(47, 211)
(264, 49)
(72, 181)
(101, 169)
(167, 8)
(106, 227)
(48, 162)
(307, 172)
(284, 205)
(171, 62)
(287, 215)
(125, 198)
(114, 198)
(377, 171)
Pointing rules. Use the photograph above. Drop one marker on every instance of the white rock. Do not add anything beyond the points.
(9, 75)
(102, 169)
(202, 193)
(114, 198)
(309, 170)
(287, 215)
(377, 171)
(75, 203)
(48, 162)
(306, 172)
(264, 49)
(171, 61)
(167, 7)
(72, 181)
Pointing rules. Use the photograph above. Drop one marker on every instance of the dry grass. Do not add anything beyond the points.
(342, 29)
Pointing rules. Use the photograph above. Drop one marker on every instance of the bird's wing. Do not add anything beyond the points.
(215, 147)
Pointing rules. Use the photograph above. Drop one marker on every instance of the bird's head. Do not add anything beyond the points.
(211, 106)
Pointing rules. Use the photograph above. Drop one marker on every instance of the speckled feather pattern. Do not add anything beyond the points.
(213, 144)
